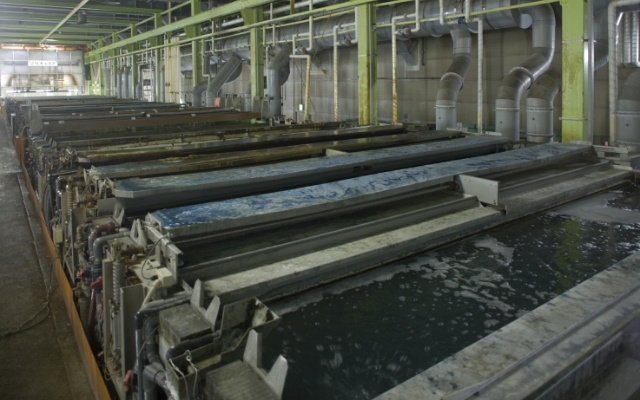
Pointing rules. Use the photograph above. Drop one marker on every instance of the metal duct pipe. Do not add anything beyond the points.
(124, 83)
(630, 39)
(540, 106)
(522, 77)
(277, 74)
(628, 113)
(612, 27)
(196, 95)
(140, 91)
(545, 88)
(232, 67)
(107, 82)
(118, 83)
(452, 81)
(426, 10)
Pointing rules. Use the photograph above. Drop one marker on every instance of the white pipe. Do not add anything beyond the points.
(335, 63)
(480, 70)
(308, 80)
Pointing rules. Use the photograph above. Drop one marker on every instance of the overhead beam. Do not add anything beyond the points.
(89, 7)
(65, 19)
(56, 18)
(56, 36)
(12, 40)
(47, 28)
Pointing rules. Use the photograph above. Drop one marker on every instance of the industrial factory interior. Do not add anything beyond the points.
(319, 199)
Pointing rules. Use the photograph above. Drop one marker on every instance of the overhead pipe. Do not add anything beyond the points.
(545, 88)
(628, 113)
(196, 95)
(506, 18)
(520, 78)
(229, 71)
(277, 74)
(452, 81)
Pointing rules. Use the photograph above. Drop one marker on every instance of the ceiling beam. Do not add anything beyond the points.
(10, 40)
(56, 36)
(47, 28)
(65, 19)
(55, 18)
(89, 7)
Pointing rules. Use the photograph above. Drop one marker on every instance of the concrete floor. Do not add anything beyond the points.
(42, 362)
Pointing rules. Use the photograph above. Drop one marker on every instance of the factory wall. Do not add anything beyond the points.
(418, 85)
(17, 75)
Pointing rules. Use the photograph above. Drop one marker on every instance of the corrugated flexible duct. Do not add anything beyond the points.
(229, 72)
(119, 83)
(628, 113)
(545, 89)
(277, 74)
(631, 39)
(522, 77)
(452, 81)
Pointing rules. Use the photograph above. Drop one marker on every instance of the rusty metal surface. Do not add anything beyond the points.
(123, 124)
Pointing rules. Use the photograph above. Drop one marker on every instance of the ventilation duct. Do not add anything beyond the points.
(522, 77)
(196, 96)
(630, 39)
(119, 83)
(628, 113)
(140, 91)
(429, 9)
(540, 106)
(277, 74)
(545, 89)
(228, 73)
(452, 81)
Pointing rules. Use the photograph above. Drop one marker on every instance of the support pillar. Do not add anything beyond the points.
(158, 61)
(367, 65)
(574, 71)
(252, 16)
(196, 45)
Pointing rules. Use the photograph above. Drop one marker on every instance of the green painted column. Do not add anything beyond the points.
(367, 65)
(158, 60)
(196, 45)
(574, 64)
(134, 69)
(257, 51)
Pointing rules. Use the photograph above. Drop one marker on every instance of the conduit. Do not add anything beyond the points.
(628, 113)
(522, 77)
(277, 74)
(630, 39)
(229, 72)
(545, 88)
(196, 95)
(612, 25)
(452, 81)
(540, 106)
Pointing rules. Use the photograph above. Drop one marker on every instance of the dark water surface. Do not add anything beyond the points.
(360, 337)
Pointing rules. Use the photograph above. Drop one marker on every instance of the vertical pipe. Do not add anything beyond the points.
(394, 90)
(480, 71)
(590, 70)
(335, 73)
